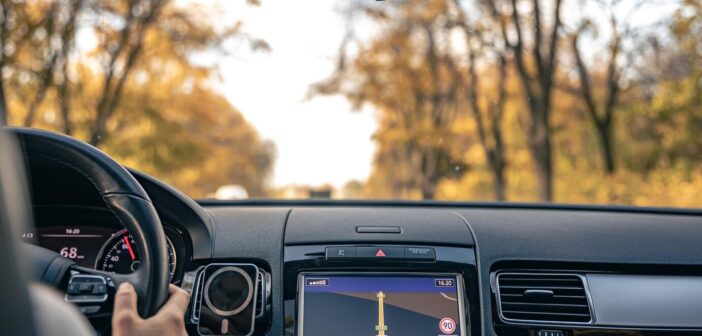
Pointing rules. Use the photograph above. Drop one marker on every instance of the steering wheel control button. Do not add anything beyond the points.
(83, 288)
(88, 310)
(341, 252)
(100, 289)
(550, 333)
(420, 253)
(380, 252)
(227, 299)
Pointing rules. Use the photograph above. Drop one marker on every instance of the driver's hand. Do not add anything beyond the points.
(170, 319)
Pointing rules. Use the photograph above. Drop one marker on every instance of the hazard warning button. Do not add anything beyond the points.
(380, 252)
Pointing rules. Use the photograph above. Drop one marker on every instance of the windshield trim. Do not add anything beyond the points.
(448, 204)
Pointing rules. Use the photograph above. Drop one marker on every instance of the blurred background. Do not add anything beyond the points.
(572, 101)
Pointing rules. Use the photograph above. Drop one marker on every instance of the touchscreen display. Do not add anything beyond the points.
(380, 305)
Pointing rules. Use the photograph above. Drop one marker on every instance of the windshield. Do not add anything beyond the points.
(469, 100)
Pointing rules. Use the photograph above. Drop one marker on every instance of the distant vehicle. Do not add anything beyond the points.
(231, 192)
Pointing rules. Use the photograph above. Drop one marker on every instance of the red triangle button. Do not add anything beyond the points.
(380, 253)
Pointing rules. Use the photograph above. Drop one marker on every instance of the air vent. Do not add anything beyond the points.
(533, 297)
(264, 293)
(260, 300)
(197, 295)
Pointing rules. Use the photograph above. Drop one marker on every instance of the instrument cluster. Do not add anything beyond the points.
(93, 239)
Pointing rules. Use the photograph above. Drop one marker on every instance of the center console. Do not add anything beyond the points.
(380, 290)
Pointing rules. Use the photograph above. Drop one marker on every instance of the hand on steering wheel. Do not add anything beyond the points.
(169, 320)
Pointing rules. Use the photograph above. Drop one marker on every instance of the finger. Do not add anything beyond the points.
(126, 298)
(173, 288)
(178, 300)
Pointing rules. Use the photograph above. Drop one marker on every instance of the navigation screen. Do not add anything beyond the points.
(370, 305)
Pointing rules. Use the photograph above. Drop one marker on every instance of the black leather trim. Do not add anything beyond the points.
(176, 208)
(105, 174)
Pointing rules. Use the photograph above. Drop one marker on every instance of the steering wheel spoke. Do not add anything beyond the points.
(92, 290)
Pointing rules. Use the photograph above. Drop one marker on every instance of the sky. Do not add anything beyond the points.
(319, 140)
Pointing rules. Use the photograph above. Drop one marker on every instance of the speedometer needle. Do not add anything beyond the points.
(129, 247)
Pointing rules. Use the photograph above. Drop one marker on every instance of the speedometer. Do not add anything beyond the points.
(119, 255)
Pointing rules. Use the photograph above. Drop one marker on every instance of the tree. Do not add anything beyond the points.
(406, 75)
(17, 33)
(4, 29)
(536, 64)
(60, 30)
(122, 54)
(602, 118)
(490, 133)
(136, 91)
(601, 108)
(659, 111)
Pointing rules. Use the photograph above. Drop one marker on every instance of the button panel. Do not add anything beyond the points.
(86, 288)
(380, 252)
(420, 253)
(341, 252)
(550, 333)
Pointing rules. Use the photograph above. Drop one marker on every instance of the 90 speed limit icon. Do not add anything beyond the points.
(447, 325)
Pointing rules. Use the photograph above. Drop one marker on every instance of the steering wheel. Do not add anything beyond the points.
(90, 289)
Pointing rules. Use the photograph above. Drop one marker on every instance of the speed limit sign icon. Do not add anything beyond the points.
(447, 325)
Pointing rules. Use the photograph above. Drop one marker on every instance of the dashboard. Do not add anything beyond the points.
(312, 268)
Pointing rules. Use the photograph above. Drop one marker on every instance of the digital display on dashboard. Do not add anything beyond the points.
(380, 305)
(81, 244)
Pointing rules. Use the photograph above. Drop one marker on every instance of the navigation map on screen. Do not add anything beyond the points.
(368, 305)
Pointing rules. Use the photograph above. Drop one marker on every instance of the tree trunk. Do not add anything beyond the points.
(537, 84)
(540, 145)
(4, 113)
(428, 171)
(64, 105)
(3, 104)
(494, 154)
(499, 184)
(603, 122)
(499, 161)
(604, 132)
(34, 105)
(428, 192)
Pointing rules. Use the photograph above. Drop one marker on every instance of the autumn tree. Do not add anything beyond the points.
(405, 73)
(600, 85)
(22, 32)
(534, 43)
(4, 26)
(664, 120)
(133, 88)
(480, 45)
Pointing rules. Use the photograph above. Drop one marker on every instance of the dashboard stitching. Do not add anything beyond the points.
(72, 167)
(478, 267)
(280, 281)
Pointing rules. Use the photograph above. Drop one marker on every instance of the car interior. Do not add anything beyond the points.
(351, 168)
(260, 267)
